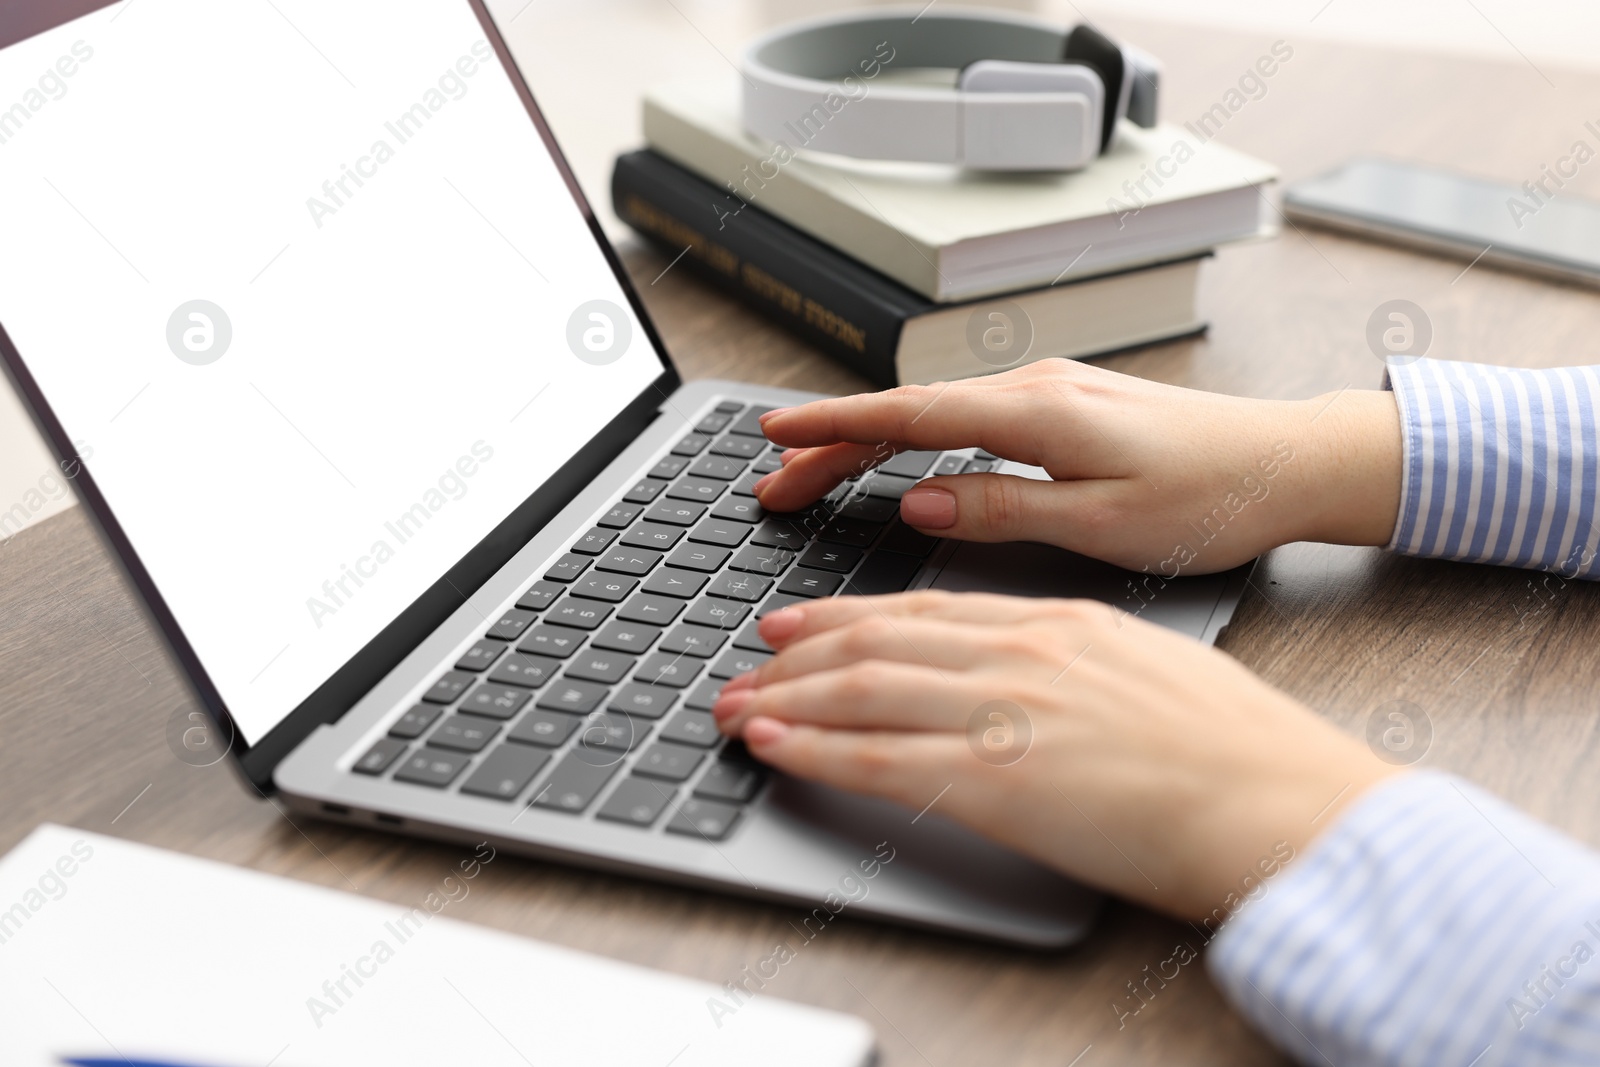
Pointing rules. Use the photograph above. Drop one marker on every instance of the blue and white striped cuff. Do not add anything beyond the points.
(1433, 924)
(1501, 465)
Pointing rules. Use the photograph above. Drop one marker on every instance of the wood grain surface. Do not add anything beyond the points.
(1501, 662)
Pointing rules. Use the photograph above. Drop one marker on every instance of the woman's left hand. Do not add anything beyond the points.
(1124, 755)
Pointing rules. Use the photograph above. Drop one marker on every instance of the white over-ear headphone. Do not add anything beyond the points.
(1029, 96)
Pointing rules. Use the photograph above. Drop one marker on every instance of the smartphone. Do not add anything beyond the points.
(1536, 227)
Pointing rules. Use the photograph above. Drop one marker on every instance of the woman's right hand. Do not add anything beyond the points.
(1143, 475)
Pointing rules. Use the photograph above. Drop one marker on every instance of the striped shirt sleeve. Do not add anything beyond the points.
(1432, 925)
(1501, 465)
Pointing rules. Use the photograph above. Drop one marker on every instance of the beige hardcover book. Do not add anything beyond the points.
(954, 234)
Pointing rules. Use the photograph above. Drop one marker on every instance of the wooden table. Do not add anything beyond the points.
(1502, 663)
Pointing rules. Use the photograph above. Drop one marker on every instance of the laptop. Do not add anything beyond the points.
(315, 316)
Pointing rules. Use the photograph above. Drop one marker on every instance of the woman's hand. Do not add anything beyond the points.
(1144, 475)
(1124, 755)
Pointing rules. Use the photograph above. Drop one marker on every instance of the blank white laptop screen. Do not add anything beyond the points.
(304, 286)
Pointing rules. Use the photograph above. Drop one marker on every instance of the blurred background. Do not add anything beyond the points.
(589, 61)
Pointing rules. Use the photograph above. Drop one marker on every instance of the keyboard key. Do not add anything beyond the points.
(547, 728)
(736, 586)
(511, 625)
(907, 541)
(609, 732)
(597, 666)
(377, 759)
(777, 602)
(594, 542)
(887, 486)
(720, 468)
(949, 465)
(670, 581)
(737, 661)
(463, 733)
(722, 614)
(704, 696)
(740, 447)
(750, 638)
(431, 766)
(979, 466)
(694, 557)
(803, 582)
(603, 586)
(669, 467)
(745, 486)
(672, 762)
(703, 490)
(851, 532)
(766, 464)
(710, 820)
(480, 656)
(692, 445)
(870, 509)
(726, 532)
(775, 533)
(644, 491)
(651, 609)
(643, 701)
(749, 424)
(883, 572)
(567, 567)
(673, 671)
(579, 698)
(694, 641)
(581, 614)
(838, 558)
(547, 640)
(908, 464)
(696, 728)
(739, 509)
(758, 559)
(495, 701)
(624, 560)
(415, 721)
(734, 781)
(506, 772)
(627, 637)
(713, 423)
(528, 672)
(575, 782)
(652, 535)
(621, 517)
(675, 512)
(448, 687)
(539, 596)
(637, 801)
(731, 407)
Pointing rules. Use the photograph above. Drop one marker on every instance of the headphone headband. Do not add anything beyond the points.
(1030, 96)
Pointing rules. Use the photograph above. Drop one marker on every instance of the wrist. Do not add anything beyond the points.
(1348, 469)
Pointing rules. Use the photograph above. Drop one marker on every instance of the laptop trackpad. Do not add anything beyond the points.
(1027, 569)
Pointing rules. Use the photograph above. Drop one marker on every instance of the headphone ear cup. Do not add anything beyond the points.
(1093, 49)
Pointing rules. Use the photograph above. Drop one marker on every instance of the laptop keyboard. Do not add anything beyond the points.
(603, 674)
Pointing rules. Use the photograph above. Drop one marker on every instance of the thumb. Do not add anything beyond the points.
(995, 507)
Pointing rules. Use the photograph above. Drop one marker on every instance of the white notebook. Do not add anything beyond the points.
(113, 949)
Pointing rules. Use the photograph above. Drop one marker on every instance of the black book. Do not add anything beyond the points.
(873, 324)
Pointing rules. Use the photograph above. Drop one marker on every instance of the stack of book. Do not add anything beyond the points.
(918, 273)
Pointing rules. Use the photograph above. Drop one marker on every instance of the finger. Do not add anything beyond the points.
(1004, 507)
(988, 412)
(934, 643)
(908, 768)
(812, 472)
(873, 695)
(784, 627)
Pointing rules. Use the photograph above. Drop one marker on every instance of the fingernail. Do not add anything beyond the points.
(762, 482)
(762, 418)
(747, 680)
(780, 624)
(932, 509)
(730, 704)
(762, 732)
